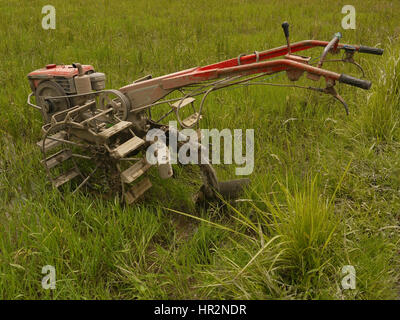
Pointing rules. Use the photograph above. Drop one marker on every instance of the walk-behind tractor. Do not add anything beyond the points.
(96, 138)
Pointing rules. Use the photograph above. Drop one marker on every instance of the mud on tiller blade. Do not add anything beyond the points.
(94, 136)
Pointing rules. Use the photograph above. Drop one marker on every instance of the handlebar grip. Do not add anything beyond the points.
(371, 50)
(285, 27)
(363, 84)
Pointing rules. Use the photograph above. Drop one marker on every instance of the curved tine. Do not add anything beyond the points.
(86, 179)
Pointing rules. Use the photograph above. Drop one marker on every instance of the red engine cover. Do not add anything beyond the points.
(52, 70)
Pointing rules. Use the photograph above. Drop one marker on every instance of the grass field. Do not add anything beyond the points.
(325, 190)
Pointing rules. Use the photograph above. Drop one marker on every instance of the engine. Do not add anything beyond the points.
(74, 80)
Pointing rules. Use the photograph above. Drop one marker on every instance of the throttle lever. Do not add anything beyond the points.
(285, 27)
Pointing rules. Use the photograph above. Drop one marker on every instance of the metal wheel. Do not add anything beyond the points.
(49, 107)
(116, 100)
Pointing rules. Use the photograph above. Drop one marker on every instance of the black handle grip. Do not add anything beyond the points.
(363, 84)
(370, 50)
(285, 27)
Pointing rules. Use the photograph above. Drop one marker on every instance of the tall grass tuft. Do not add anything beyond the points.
(306, 224)
(289, 252)
(380, 117)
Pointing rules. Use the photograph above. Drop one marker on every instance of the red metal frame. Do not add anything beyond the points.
(149, 91)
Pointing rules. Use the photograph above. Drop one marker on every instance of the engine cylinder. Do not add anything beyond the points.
(83, 84)
(98, 80)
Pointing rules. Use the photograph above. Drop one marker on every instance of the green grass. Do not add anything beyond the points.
(324, 193)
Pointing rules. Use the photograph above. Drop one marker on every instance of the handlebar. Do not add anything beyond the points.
(363, 84)
(370, 50)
